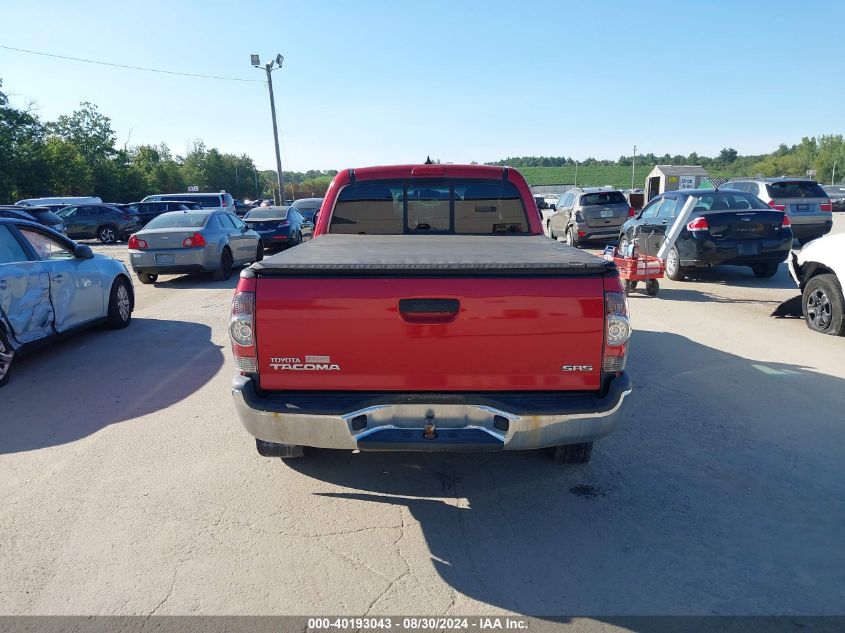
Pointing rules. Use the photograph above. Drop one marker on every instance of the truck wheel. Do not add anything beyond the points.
(674, 270)
(7, 355)
(765, 270)
(285, 451)
(572, 453)
(145, 278)
(120, 305)
(824, 305)
(224, 269)
(652, 287)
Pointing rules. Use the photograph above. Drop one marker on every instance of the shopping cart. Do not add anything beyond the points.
(635, 267)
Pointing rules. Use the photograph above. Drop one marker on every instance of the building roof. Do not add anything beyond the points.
(681, 170)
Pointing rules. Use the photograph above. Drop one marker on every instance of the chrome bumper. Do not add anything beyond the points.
(458, 422)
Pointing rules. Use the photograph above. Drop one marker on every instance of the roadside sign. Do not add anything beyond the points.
(687, 182)
(811, 173)
(193, 188)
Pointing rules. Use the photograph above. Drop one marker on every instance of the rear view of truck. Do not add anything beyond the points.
(430, 313)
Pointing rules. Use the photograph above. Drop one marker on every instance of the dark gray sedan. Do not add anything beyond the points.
(181, 242)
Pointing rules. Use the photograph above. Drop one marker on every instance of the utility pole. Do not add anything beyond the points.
(833, 175)
(237, 183)
(633, 167)
(257, 191)
(269, 68)
(576, 174)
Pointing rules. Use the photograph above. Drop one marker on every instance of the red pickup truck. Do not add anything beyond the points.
(430, 313)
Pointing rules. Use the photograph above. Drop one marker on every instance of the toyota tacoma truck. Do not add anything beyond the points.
(430, 313)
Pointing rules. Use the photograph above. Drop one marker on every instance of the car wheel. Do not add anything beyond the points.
(285, 451)
(765, 270)
(552, 231)
(572, 237)
(674, 270)
(224, 270)
(259, 253)
(120, 305)
(572, 453)
(298, 240)
(824, 305)
(629, 286)
(146, 278)
(7, 356)
(107, 234)
(652, 287)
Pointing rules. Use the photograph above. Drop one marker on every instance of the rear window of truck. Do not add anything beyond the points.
(796, 189)
(395, 207)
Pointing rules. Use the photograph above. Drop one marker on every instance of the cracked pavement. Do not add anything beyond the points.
(129, 487)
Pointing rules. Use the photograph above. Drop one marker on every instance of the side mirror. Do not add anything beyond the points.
(83, 251)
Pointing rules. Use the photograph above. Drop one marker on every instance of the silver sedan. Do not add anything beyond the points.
(182, 242)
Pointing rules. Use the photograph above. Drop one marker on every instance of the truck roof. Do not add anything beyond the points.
(487, 172)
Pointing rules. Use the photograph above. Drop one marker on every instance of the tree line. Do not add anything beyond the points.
(78, 154)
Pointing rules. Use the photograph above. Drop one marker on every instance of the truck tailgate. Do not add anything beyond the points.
(430, 333)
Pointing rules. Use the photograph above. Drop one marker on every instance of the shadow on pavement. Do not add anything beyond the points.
(78, 386)
(715, 496)
(741, 276)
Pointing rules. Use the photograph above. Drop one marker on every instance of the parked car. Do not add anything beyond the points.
(490, 335)
(836, 193)
(819, 271)
(180, 242)
(804, 201)
(241, 207)
(725, 227)
(41, 215)
(209, 201)
(308, 207)
(61, 201)
(51, 286)
(146, 211)
(589, 214)
(108, 223)
(279, 226)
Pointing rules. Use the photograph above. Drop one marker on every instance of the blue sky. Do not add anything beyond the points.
(368, 82)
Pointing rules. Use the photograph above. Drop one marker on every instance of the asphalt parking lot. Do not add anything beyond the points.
(129, 487)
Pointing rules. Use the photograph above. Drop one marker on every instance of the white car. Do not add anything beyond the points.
(819, 270)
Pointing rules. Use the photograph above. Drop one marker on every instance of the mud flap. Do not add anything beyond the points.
(789, 309)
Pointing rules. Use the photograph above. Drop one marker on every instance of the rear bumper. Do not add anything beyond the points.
(186, 260)
(811, 231)
(396, 421)
(708, 252)
(596, 233)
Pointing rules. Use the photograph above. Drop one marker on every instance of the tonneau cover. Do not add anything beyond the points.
(427, 255)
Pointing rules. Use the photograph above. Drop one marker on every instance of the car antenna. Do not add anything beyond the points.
(428, 161)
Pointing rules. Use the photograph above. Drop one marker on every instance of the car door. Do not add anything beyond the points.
(558, 221)
(73, 221)
(239, 241)
(76, 285)
(304, 226)
(25, 304)
(638, 230)
(663, 221)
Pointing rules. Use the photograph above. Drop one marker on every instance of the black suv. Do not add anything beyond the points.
(146, 211)
(106, 222)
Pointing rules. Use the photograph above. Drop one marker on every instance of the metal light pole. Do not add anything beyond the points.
(833, 175)
(633, 167)
(269, 67)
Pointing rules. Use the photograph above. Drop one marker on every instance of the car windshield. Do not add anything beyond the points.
(309, 205)
(179, 219)
(604, 197)
(266, 214)
(796, 189)
(728, 201)
(206, 202)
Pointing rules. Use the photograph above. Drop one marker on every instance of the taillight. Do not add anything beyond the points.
(631, 212)
(283, 225)
(698, 224)
(195, 240)
(826, 206)
(786, 221)
(242, 331)
(136, 243)
(126, 216)
(778, 207)
(617, 331)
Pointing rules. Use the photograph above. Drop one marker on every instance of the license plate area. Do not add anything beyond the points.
(607, 213)
(164, 258)
(748, 249)
(802, 207)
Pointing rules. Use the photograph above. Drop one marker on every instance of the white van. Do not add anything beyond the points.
(64, 201)
(212, 201)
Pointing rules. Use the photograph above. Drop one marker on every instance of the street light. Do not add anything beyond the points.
(269, 67)
(633, 167)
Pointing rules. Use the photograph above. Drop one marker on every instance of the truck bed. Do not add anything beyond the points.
(431, 256)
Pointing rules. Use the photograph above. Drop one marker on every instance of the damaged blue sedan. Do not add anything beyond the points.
(51, 286)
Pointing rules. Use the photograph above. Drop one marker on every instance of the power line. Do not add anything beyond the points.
(150, 70)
